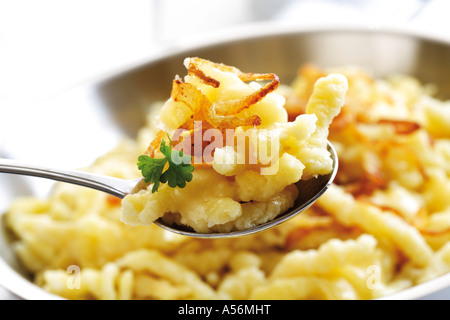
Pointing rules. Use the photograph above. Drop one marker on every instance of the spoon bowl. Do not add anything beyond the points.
(309, 192)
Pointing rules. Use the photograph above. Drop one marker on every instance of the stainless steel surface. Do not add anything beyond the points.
(114, 186)
(118, 103)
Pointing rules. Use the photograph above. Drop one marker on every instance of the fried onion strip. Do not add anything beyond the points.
(154, 145)
(401, 126)
(193, 69)
(221, 114)
(236, 106)
(198, 102)
(198, 62)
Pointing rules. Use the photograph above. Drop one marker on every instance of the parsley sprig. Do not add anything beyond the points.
(177, 173)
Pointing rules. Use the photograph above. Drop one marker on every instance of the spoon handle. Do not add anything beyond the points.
(114, 186)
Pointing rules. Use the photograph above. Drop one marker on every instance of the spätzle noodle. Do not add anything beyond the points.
(383, 226)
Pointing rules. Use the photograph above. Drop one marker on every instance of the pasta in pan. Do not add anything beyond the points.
(382, 227)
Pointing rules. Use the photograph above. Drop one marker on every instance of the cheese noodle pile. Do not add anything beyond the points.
(382, 227)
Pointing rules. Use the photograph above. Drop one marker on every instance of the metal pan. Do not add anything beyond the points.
(93, 117)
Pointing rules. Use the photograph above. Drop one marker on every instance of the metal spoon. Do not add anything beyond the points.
(309, 191)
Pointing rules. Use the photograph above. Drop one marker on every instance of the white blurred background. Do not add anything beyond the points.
(49, 46)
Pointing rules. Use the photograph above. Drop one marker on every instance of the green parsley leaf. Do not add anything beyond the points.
(177, 173)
